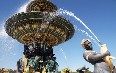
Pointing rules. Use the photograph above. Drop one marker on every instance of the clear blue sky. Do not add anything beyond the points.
(98, 15)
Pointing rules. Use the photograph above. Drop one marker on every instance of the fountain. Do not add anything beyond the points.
(39, 30)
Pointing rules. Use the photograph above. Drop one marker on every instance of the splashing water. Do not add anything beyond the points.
(6, 43)
(5, 39)
(23, 7)
(62, 11)
(2, 33)
(64, 56)
(86, 33)
(75, 27)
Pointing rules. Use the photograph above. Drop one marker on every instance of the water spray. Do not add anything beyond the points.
(64, 56)
(62, 11)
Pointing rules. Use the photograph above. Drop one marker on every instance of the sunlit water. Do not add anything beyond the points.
(65, 57)
(69, 13)
(7, 42)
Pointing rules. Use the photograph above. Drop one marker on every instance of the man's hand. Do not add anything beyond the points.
(104, 50)
(107, 59)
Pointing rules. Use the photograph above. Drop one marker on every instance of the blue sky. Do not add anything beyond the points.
(98, 15)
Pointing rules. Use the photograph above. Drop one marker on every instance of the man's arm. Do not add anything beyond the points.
(97, 56)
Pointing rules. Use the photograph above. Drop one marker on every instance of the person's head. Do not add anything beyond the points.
(86, 44)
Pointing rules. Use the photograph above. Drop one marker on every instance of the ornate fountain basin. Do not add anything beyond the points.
(28, 28)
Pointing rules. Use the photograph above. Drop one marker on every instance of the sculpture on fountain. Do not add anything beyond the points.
(39, 29)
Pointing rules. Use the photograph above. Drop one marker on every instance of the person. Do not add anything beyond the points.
(96, 59)
(82, 69)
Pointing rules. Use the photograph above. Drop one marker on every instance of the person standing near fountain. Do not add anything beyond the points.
(96, 59)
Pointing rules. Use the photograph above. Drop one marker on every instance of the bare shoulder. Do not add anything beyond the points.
(87, 53)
